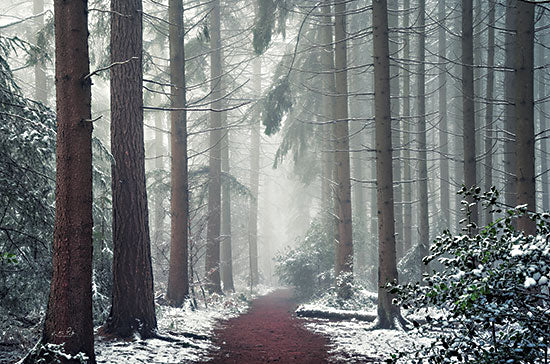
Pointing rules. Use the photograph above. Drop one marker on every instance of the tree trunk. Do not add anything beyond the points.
(489, 126)
(509, 110)
(387, 270)
(407, 142)
(344, 248)
(326, 174)
(69, 312)
(40, 80)
(253, 213)
(327, 61)
(133, 308)
(468, 109)
(357, 141)
(457, 147)
(477, 24)
(158, 209)
(423, 217)
(226, 241)
(373, 228)
(213, 282)
(327, 168)
(359, 204)
(443, 132)
(525, 116)
(543, 127)
(396, 121)
(178, 277)
(254, 180)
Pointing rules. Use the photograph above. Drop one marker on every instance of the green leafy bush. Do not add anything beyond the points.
(491, 295)
(9, 258)
(27, 187)
(27, 172)
(308, 267)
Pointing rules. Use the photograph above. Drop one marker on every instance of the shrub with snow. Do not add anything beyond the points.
(492, 293)
(308, 267)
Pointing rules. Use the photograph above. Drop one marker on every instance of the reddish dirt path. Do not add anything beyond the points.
(269, 333)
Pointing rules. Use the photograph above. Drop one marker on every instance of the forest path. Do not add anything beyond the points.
(269, 333)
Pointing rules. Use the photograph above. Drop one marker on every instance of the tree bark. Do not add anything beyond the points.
(387, 269)
(213, 282)
(488, 176)
(525, 115)
(327, 61)
(226, 238)
(344, 248)
(40, 79)
(407, 142)
(254, 179)
(133, 308)
(444, 194)
(458, 143)
(543, 127)
(178, 277)
(373, 209)
(509, 160)
(423, 217)
(158, 209)
(226, 241)
(396, 121)
(477, 24)
(358, 197)
(253, 213)
(357, 141)
(326, 174)
(468, 109)
(69, 312)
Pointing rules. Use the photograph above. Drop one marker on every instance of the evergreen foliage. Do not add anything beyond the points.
(300, 137)
(40, 53)
(199, 177)
(27, 186)
(269, 11)
(491, 294)
(309, 266)
(277, 103)
(102, 233)
(302, 134)
(27, 143)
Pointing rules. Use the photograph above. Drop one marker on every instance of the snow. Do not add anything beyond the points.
(150, 351)
(353, 341)
(362, 302)
(174, 323)
(332, 310)
(516, 251)
(529, 282)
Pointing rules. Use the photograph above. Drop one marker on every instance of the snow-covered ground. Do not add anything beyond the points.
(192, 328)
(351, 341)
(355, 341)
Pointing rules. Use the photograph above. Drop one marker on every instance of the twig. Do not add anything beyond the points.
(110, 66)
(93, 120)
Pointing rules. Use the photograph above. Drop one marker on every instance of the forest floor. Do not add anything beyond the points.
(245, 328)
(270, 333)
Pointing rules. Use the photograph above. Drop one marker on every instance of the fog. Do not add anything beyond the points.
(355, 151)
